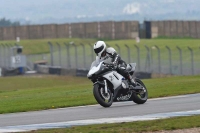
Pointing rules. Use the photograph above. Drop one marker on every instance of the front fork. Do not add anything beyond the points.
(103, 84)
(106, 89)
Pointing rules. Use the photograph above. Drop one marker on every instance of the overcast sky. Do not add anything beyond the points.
(40, 9)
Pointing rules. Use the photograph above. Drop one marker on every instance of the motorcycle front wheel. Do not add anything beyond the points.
(141, 96)
(101, 97)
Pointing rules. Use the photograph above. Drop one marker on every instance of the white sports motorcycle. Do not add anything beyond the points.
(110, 86)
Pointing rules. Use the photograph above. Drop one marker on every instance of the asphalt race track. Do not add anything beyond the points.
(117, 110)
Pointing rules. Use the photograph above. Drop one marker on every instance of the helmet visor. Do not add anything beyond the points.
(98, 50)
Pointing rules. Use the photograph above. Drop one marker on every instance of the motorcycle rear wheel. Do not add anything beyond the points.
(142, 96)
(101, 97)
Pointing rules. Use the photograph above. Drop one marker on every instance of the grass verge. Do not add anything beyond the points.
(40, 46)
(133, 127)
(22, 93)
(37, 46)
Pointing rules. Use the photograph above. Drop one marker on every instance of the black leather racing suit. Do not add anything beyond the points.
(112, 57)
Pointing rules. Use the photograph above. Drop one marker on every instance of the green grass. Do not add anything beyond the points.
(133, 127)
(19, 94)
(161, 43)
(162, 87)
(22, 93)
(174, 37)
(39, 46)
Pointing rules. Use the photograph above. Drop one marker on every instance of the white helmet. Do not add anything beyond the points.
(99, 48)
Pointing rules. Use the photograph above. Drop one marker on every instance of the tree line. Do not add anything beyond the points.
(6, 22)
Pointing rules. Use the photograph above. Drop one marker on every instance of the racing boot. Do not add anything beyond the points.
(131, 80)
(134, 85)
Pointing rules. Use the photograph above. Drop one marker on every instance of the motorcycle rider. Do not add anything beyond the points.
(110, 56)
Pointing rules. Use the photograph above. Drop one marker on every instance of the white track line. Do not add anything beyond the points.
(153, 99)
(22, 128)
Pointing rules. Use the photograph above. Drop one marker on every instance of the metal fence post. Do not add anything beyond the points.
(181, 62)
(92, 52)
(192, 60)
(128, 49)
(11, 52)
(8, 55)
(159, 63)
(4, 53)
(51, 52)
(59, 50)
(76, 58)
(84, 58)
(138, 56)
(119, 51)
(68, 55)
(1, 56)
(151, 52)
(170, 59)
(148, 63)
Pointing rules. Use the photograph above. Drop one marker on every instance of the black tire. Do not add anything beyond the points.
(100, 99)
(137, 97)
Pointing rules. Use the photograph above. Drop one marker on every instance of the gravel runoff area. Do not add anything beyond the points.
(191, 130)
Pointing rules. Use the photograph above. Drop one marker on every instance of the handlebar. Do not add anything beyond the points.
(110, 66)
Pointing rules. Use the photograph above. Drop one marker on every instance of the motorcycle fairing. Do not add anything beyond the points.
(94, 69)
(123, 95)
(114, 78)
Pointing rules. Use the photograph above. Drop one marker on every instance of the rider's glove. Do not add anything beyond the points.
(114, 64)
(111, 66)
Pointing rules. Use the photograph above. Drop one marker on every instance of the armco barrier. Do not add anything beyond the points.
(41, 62)
(71, 72)
(143, 75)
(0, 72)
(55, 70)
(42, 69)
(81, 72)
(6, 72)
